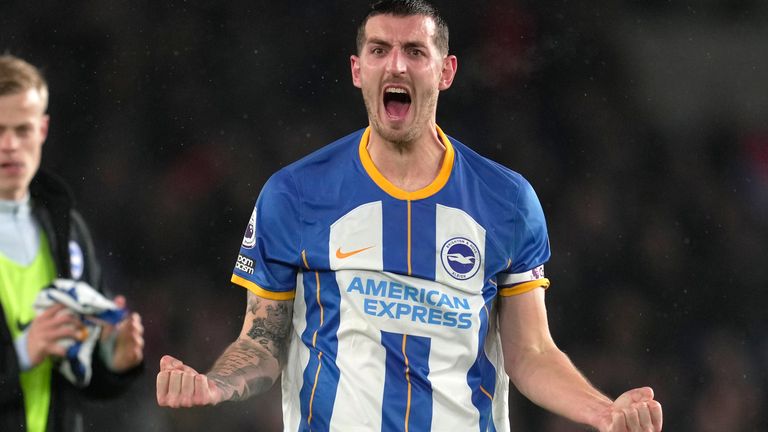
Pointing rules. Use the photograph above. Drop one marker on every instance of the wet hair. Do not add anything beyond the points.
(405, 8)
(16, 76)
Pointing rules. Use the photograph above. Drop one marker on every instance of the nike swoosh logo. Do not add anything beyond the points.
(342, 255)
(22, 326)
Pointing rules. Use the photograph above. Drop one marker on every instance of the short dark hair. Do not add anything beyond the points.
(405, 8)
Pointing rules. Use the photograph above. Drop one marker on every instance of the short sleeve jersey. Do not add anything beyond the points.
(394, 324)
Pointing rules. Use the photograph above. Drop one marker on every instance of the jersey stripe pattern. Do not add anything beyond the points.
(394, 325)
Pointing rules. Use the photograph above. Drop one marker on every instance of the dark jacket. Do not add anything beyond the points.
(53, 208)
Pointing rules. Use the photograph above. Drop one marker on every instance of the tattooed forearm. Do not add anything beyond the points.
(251, 364)
(240, 371)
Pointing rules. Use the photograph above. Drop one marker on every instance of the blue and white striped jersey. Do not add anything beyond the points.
(394, 323)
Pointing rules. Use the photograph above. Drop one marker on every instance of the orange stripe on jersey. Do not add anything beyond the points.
(410, 270)
(314, 338)
(486, 392)
(319, 303)
(261, 292)
(314, 387)
(408, 380)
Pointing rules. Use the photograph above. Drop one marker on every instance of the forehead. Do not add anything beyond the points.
(401, 29)
(19, 106)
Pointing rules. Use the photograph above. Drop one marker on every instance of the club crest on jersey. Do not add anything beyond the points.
(461, 258)
(76, 260)
(249, 240)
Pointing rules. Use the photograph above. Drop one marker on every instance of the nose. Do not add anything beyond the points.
(396, 63)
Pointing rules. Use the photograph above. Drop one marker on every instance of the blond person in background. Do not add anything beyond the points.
(42, 238)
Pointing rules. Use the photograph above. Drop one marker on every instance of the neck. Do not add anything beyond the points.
(14, 200)
(409, 166)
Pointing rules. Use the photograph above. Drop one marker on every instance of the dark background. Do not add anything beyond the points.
(643, 126)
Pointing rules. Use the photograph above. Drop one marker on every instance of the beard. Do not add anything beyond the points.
(404, 137)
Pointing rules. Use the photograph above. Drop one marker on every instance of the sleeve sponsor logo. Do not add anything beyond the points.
(510, 279)
(244, 264)
(460, 257)
(249, 240)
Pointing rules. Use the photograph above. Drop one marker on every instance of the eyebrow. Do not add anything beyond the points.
(414, 45)
(25, 123)
(377, 41)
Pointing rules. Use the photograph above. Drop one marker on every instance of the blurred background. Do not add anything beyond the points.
(643, 126)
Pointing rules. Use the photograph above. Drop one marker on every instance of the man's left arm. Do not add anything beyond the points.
(546, 376)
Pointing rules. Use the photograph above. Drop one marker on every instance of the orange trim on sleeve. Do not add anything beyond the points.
(261, 292)
(524, 287)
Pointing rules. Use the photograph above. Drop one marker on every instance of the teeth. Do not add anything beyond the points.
(396, 90)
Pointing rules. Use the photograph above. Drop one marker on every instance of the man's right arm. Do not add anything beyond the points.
(249, 366)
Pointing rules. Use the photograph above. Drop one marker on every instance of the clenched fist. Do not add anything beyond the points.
(178, 385)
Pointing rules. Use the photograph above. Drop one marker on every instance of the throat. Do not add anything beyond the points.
(408, 167)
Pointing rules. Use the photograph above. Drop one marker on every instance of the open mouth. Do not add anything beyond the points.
(397, 101)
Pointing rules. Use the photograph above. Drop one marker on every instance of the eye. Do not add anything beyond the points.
(377, 50)
(23, 131)
(416, 52)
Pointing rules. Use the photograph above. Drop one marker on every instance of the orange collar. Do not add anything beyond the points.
(396, 192)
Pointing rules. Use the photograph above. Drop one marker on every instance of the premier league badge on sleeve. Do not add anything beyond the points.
(249, 240)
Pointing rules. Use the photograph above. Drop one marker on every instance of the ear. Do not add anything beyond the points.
(44, 126)
(354, 64)
(450, 64)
